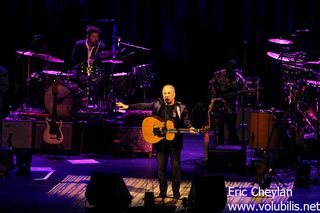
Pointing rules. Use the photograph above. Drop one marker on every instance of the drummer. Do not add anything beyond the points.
(84, 50)
(87, 67)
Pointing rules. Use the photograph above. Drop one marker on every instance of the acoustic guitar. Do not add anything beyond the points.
(155, 129)
(53, 134)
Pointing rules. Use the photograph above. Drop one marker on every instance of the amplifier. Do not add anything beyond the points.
(20, 131)
(27, 134)
(66, 129)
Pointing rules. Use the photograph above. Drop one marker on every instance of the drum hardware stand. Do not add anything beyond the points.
(83, 127)
(26, 104)
(243, 125)
(318, 128)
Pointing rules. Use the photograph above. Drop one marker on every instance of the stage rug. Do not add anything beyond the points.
(72, 190)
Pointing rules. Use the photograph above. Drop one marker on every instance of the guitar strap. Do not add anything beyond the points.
(179, 111)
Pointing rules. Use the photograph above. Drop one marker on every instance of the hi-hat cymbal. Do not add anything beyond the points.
(113, 61)
(278, 56)
(104, 54)
(45, 57)
(280, 41)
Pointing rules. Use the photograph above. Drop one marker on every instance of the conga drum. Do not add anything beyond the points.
(264, 133)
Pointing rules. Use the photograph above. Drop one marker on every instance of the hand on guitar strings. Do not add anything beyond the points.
(122, 105)
(192, 130)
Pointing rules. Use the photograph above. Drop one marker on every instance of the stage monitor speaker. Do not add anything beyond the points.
(207, 194)
(230, 158)
(108, 191)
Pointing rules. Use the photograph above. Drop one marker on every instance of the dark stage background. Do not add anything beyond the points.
(189, 40)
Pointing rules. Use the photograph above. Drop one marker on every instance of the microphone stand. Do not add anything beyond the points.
(165, 113)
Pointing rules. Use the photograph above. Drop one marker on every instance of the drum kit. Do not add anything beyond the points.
(75, 88)
(300, 85)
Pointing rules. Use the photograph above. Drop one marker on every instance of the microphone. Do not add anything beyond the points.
(118, 42)
(166, 100)
(302, 31)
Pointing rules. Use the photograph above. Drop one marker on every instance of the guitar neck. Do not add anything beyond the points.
(54, 108)
(179, 130)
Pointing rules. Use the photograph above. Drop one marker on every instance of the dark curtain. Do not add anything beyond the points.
(189, 40)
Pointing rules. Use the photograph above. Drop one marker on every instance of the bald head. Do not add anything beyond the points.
(169, 94)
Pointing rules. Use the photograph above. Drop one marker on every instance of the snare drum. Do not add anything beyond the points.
(90, 74)
(51, 75)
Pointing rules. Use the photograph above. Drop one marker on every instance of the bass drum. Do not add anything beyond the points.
(69, 97)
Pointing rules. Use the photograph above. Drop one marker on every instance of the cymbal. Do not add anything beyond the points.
(104, 54)
(48, 58)
(278, 56)
(279, 41)
(40, 56)
(57, 73)
(313, 83)
(27, 53)
(313, 62)
(113, 61)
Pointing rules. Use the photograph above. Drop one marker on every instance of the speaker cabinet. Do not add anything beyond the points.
(20, 131)
(108, 191)
(207, 194)
(66, 129)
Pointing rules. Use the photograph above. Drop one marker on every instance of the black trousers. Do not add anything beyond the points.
(218, 127)
(162, 158)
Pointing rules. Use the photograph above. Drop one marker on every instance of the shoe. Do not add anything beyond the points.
(163, 195)
(176, 195)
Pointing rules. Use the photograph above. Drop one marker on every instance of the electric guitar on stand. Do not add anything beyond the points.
(155, 129)
(53, 133)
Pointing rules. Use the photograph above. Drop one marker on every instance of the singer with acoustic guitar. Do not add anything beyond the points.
(167, 111)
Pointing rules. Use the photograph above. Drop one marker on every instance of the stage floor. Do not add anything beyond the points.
(57, 183)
